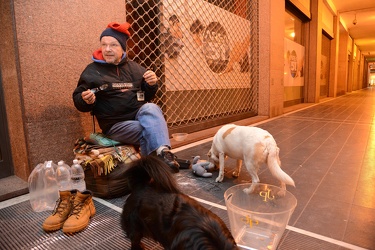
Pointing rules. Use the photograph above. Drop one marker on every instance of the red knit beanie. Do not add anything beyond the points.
(118, 31)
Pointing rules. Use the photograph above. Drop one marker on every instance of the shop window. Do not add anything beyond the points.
(324, 66)
(293, 27)
(294, 58)
(205, 54)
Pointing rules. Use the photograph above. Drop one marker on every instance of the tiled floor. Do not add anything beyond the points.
(328, 149)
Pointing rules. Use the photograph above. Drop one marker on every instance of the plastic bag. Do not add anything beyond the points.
(43, 187)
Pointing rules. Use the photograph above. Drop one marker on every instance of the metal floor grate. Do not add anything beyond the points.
(292, 240)
(21, 228)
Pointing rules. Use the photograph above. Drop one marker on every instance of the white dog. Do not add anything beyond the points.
(252, 145)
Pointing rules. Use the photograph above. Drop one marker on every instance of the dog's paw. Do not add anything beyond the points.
(219, 178)
(250, 189)
(281, 193)
(235, 174)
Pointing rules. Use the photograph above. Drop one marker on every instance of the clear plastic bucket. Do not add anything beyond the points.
(258, 219)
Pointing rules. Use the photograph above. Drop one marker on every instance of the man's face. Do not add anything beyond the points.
(111, 49)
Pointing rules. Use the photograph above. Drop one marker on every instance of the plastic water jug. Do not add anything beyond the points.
(43, 187)
(77, 176)
(63, 176)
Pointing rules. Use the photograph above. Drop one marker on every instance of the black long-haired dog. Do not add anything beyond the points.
(157, 209)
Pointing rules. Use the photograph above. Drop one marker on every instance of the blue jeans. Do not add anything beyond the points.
(149, 130)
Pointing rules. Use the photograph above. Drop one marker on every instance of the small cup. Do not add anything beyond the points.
(179, 136)
(140, 96)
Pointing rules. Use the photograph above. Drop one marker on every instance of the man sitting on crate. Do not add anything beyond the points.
(118, 92)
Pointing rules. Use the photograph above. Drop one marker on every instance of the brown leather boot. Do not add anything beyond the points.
(61, 212)
(83, 209)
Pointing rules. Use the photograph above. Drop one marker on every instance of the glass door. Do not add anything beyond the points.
(6, 165)
(294, 58)
(324, 66)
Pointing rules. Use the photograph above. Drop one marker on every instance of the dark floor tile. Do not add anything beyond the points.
(296, 241)
(335, 189)
(198, 150)
(325, 155)
(302, 152)
(311, 171)
(365, 194)
(302, 202)
(360, 230)
(367, 170)
(325, 217)
(346, 171)
(350, 156)
(287, 128)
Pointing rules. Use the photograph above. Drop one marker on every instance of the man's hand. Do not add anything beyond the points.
(150, 77)
(88, 96)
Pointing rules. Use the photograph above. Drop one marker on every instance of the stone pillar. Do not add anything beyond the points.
(314, 51)
(332, 92)
(271, 43)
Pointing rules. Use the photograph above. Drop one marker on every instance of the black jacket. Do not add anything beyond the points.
(113, 105)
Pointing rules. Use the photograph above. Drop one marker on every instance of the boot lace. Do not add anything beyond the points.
(77, 208)
(60, 206)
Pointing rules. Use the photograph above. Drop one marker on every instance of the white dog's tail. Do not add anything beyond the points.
(273, 162)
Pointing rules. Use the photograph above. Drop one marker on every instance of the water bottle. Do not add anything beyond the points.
(63, 176)
(51, 191)
(43, 187)
(36, 188)
(77, 176)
